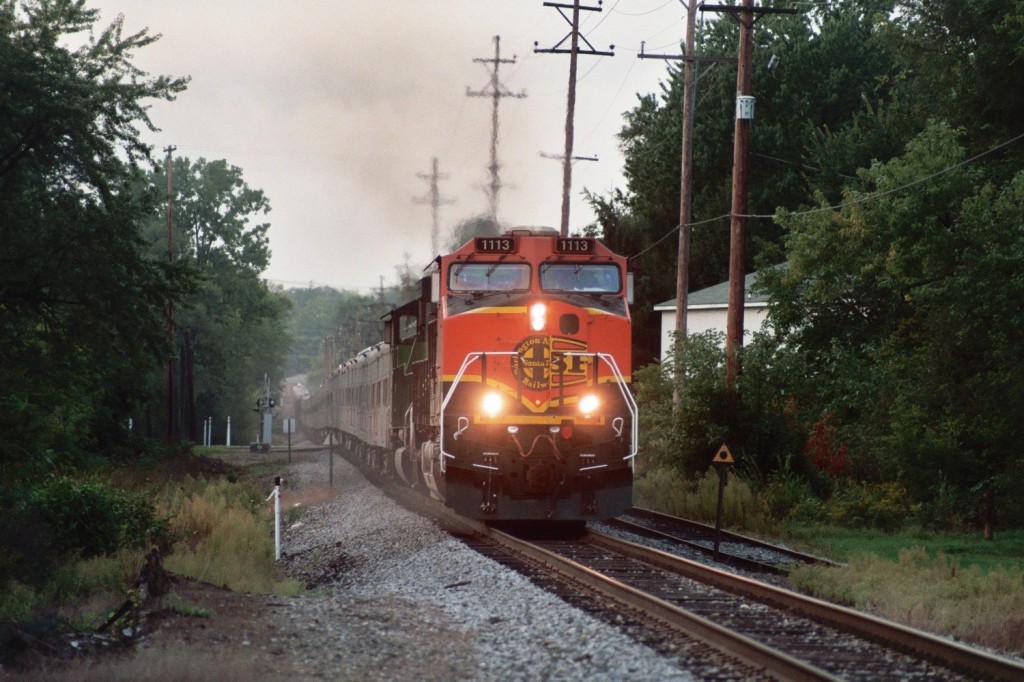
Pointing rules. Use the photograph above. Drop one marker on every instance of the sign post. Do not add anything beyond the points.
(722, 460)
(289, 426)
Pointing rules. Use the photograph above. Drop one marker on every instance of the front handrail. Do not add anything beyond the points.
(474, 356)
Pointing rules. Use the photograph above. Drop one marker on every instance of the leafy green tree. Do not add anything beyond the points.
(761, 432)
(311, 317)
(332, 326)
(81, 302)
(230, 331)
(967, 56)
(821, 78)
(906, 305)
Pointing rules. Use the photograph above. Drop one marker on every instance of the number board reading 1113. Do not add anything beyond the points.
(574, 245)
(495, 245)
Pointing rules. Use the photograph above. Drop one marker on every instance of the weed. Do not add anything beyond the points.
(183, 608)
(225, 538)
(931, 593)
(668, 491)
(17, 602)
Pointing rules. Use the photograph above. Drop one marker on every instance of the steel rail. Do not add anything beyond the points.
(730, 535)
(901, 637)
(720, 556)
(775, 663)
(896, 636)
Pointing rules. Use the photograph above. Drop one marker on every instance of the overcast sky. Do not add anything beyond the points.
(334, 109)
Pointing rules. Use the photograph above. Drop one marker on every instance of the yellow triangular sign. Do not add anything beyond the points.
(723, 456)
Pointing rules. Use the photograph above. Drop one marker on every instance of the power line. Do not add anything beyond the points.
(852, 202)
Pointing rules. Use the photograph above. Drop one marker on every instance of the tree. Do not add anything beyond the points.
(967, 56)
(906, 303)
(821, 79)
(81, 302)
(230, 330)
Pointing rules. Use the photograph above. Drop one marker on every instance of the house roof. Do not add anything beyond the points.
(717, 297)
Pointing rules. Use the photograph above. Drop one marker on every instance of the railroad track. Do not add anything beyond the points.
(739, 551)
(790, 635)
(762, 631)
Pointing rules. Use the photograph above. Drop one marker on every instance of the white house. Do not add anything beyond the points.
(707, 309)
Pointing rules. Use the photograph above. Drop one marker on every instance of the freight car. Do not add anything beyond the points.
(503, 388)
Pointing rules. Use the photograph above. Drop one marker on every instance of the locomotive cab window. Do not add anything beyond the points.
(489, 277)
(407, 325)
(598, 278)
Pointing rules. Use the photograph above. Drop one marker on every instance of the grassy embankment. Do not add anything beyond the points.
(214, 527)
(955, 584)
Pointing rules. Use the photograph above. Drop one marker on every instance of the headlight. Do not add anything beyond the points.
(588, 404)
(493, 404)
(538, 316)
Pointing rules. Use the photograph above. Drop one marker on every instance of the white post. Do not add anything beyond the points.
(277, 517)
(227, 441)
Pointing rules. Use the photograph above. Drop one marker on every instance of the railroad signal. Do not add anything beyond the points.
(722, 459)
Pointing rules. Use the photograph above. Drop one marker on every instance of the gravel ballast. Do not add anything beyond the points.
(396, 597)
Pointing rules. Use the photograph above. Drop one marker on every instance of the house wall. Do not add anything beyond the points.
(706, 319)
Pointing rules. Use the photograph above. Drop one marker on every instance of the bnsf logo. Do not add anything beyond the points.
(539, 363)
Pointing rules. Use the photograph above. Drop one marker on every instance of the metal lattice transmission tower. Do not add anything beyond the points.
(434, 199)
(495, 90)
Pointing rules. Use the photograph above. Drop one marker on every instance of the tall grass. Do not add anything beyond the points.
(82, 589)
(930, 593)
(225, 537)
(668, 491)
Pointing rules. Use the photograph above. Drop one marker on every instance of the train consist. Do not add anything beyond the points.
(503, 389)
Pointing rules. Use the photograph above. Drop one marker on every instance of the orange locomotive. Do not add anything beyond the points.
(509, 385)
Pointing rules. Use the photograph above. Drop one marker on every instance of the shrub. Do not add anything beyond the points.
(671, 492)
(94, 519)
(758, 427)
(225, 538)
(874, 505)
(785, 494)
(27, 555)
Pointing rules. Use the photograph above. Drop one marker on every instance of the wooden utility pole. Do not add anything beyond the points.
(685, 182)
(738, 219)
(689, 59)
(169, 435)
(434, 199)
(746, 15)
(495, 90)
(574, 39)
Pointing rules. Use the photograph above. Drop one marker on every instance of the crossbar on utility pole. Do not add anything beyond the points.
(574, 39)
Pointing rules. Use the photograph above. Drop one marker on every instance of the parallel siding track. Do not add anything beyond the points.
(775, 633)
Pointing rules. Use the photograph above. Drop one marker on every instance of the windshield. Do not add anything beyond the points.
(600, 278)
(489, 277)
